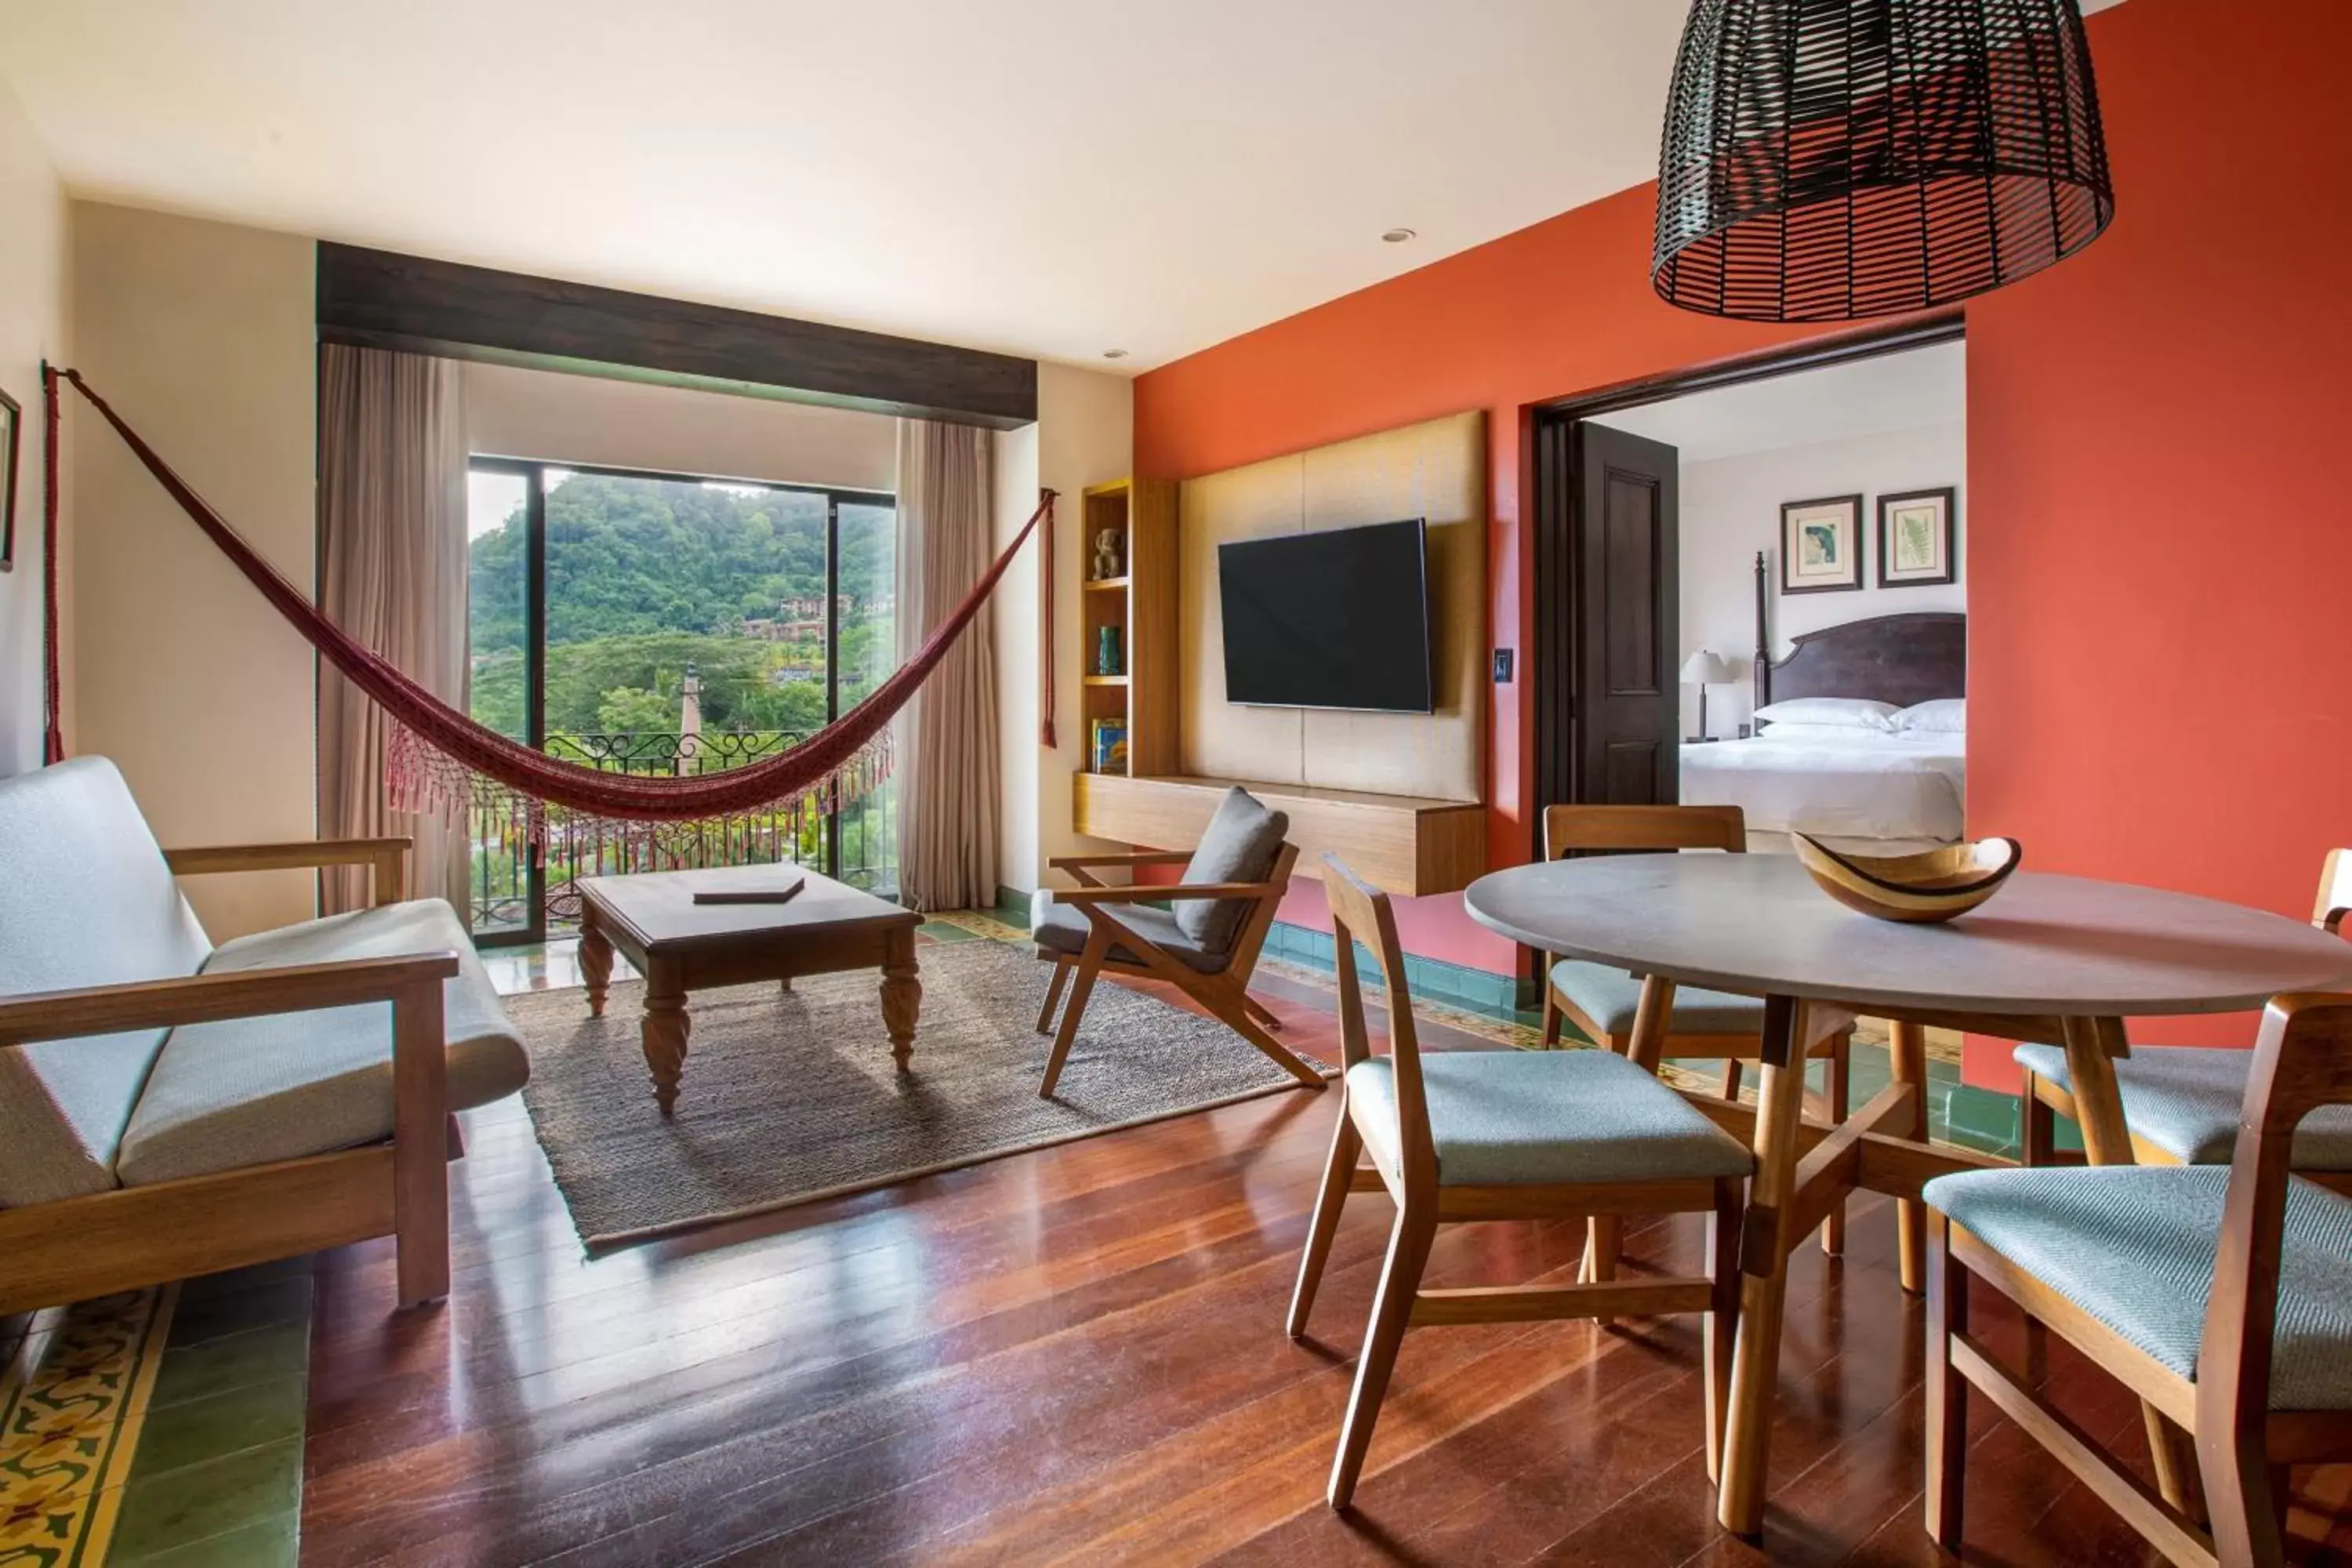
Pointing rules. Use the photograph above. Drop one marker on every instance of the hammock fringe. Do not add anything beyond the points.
(438, 759)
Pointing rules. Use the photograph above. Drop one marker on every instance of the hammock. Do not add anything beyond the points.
(439, 758)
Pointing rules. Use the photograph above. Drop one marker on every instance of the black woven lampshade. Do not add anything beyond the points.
(1830, 160)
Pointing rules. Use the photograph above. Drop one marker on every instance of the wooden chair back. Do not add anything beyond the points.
(2335, 891)
(2302, 1061)
(1360, 913)
(1569, 828)
(1240, 963)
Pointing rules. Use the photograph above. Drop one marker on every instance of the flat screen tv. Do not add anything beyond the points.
(1334, 619)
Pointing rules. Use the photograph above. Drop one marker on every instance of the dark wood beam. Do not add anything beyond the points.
(377, 299)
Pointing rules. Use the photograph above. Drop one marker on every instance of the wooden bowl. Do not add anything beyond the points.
(1919, 889)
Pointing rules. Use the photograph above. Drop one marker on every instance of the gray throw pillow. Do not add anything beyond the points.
(1242, 844)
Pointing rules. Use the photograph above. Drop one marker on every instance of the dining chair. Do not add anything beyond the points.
(1205, 944)
(2222, 1296)
(1604, 1003)
(1504, 1134)
(2181, 1103)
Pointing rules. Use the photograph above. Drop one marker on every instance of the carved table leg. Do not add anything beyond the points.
(902, 995)
(595, 959)
(664, 1031)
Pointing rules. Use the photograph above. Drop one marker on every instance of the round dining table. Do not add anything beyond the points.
(2053, 958)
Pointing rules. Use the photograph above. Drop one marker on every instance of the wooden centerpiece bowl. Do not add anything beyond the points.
(1919, 889)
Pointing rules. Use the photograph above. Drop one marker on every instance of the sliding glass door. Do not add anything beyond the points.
(670, 626)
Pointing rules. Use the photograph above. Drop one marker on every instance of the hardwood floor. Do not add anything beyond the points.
(1076, 1355)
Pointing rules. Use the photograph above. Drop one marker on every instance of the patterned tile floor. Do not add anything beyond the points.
(159, 1428)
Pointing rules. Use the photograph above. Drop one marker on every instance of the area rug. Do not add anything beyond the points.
(792, 1096)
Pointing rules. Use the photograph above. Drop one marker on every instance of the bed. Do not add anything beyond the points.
(1857, 789)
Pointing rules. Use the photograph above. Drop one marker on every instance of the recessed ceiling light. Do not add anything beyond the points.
(1113, 353)
(1398, 236)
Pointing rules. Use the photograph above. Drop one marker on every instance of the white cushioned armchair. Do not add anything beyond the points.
(169, 1107)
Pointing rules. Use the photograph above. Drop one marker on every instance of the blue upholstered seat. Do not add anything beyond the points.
(2133, 1246)
(1528, 1118)
(1062, 928)
(1609, 997)
(2185, 1099)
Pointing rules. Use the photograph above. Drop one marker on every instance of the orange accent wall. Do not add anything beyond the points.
(2160, 550)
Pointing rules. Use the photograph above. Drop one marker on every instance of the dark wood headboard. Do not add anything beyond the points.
(1900, 660)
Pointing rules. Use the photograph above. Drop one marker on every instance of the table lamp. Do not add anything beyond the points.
(1704, 669)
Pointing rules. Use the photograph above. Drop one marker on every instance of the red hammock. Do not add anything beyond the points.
(439, 757)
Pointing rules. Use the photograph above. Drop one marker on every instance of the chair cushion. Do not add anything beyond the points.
(2133, 1246)
(85, 900)
(2185, 1099)
(1527, 1118)
(1242, 844)
(1062, 928)
(246, 1091)
(1611, 996)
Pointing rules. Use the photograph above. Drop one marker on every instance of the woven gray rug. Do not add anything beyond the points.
(791, 1096)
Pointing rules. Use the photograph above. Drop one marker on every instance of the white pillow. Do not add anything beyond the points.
(1847, 712)
(1824, 734)
(1944, 716)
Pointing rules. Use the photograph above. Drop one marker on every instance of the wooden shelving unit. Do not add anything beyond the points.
(1141, 602)
(1404, 843)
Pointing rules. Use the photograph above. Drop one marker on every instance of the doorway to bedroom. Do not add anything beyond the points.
(1751, 591)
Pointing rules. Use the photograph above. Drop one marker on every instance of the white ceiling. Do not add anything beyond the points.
(1046, 177)
(1891, 392)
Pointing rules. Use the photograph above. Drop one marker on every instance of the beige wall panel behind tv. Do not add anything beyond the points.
(1219, 739)
(1435, 470)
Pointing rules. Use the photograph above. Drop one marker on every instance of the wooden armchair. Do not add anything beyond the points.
(1121, 934)
(2222, 1298)
(160, 1116)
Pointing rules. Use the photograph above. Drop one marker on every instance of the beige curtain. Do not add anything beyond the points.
(392, 571)
(946, 772)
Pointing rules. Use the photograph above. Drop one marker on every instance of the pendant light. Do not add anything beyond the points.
(1831, 159)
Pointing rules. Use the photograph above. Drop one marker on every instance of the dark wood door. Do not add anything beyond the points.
(1626, 703)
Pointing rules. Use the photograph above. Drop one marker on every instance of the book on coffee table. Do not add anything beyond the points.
(778, 895)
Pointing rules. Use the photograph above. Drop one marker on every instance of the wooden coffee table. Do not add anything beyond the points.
(679, 946)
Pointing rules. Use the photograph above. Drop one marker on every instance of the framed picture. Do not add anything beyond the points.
(11, 417)
(1820, 545)
(1917, 532)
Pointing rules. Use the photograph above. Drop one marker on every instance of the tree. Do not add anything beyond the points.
(632, 710)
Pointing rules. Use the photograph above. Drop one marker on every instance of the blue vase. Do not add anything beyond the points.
(1107, 651)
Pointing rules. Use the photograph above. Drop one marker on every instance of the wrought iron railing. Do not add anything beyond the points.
(863, 834)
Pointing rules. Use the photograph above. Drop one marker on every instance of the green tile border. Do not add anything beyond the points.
(217, 1475)
(1457, 985)
(1011, 907)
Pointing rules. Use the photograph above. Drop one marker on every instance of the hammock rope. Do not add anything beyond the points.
(441, 758)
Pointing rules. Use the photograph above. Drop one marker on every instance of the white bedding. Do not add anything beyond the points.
(1863, 786)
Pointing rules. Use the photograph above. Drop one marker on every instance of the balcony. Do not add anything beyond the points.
(512, 898)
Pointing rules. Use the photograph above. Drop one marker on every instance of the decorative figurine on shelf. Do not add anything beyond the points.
(1107, 651)
(1107, 561)
(1106, 746)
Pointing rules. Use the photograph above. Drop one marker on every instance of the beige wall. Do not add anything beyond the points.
(515, 412)
(202, 336)
(1085, 435)
(33, 315)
